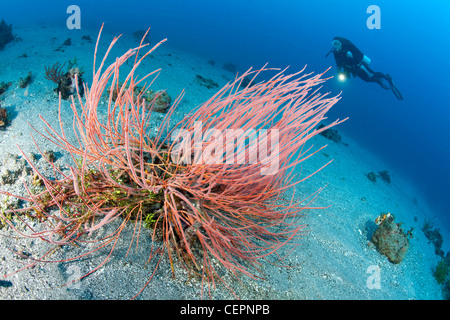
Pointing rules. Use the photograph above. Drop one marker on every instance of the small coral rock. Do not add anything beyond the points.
(385, 176)
(230, 67)
(12, 169)
(50, 155)
(390, 240)
(3, 117)
(4, 86)
(25, 82)
(372, 176)
(160, 99)
(331, 134)
(86, 38)
(67, 84)
(206, 82)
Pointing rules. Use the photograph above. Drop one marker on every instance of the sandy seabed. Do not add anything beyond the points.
(334, 260)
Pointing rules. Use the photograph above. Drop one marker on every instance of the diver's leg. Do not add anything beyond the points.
(378, 78)
(367, 67)
(363, 74)
(369, 76)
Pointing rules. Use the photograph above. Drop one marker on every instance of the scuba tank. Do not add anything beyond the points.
(366, 59)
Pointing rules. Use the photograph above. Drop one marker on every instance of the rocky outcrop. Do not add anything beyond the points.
(6, 34)
(390, 240)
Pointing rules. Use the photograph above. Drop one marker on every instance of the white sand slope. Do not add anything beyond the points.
(332, 261)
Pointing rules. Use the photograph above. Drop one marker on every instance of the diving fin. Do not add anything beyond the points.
(394, 88)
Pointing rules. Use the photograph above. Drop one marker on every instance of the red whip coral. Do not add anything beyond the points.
(204, 196)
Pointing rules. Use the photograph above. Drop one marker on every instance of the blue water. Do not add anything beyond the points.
(413, 45)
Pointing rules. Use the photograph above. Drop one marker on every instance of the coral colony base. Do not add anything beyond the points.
(206, 201)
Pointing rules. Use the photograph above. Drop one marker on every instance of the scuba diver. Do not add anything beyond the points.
(350, 60)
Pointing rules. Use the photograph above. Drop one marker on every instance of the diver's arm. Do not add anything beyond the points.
(351, 58)
(353, 55)
(339, 60)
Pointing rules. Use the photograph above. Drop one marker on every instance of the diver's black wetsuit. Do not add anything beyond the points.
(354, 63)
